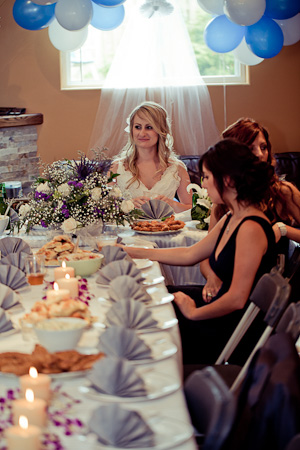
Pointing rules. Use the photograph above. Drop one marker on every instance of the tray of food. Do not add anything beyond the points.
(167, 226)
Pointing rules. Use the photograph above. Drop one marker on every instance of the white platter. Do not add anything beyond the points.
(157, 385)
(168, 433)
(159, 232)
(143, 263)
(149, 280)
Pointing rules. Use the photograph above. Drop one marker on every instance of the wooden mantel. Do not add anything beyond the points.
(21, 120)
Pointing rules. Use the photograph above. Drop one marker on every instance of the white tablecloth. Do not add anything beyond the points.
(171, 406)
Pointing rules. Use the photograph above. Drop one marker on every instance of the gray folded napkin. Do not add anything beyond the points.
(115, 376)
(13, 245)
(117, 427)
(126, 287)
(117, 268)
(156, 209)
(130, 314)
(123, 342)
(13, 277)
(8, 298)
(15, 259)
(5, 322)
(113, 253)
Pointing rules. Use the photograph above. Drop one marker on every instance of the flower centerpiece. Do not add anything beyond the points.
(73, 194)
(201, 206)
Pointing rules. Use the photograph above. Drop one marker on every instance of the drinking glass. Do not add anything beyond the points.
(35, 269)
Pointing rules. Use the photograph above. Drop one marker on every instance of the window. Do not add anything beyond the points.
(87, 67)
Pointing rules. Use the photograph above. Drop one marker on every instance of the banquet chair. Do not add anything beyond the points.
(211, 406)
(271, 289)
(292, 273)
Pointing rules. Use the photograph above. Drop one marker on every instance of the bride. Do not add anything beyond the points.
(148, 166)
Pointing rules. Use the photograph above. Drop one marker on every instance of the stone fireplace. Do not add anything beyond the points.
(18, 149)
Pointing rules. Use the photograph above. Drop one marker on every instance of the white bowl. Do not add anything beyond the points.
(60, 333)
(83, 267)
(3, 223)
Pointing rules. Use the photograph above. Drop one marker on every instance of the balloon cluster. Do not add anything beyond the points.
(68, 20)
(252, 29)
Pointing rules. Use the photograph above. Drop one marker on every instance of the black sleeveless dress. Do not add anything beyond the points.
(203, 340)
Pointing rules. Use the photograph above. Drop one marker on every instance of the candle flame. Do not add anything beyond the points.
(67, 276)
(55, 286)
(29, 395)
(63, 264)
(33, 372)
(23, 422)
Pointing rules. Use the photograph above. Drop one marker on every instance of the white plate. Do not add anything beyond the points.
(55, 376)
(160, 232)
(168, 432)
(157, 385)
(143, 263)
(161, 326)
(150, 281)
(161, 349)
(158, 296)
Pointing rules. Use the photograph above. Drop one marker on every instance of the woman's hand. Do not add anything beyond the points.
(211, 287)
(186, 304)
(139, 201)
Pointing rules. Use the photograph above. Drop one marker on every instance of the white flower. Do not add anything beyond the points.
(24, 209)
(204, 202)
(207, 220)
(64, 189)
(116, 192)
(69, 225)
(200, 191)
(96, 194)
(43, 187)
(127, 206)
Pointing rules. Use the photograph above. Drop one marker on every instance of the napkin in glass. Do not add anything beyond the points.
(113, 253)
(115, 376)
(5, 322)
(13, 277)
(130, 314)
(156, 209)
(126, 287)
(117, 427)
(13, 245)
(124, 343)
(15, 259)
(116, 268)
(8, 298)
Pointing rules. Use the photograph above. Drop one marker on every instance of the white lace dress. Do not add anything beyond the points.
(167, 185)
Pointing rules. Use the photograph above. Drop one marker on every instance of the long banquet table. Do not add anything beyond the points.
(170, 406)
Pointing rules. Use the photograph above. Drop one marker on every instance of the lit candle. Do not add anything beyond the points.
(33, 408)
(69, 283)
(56, 295)
(38, 382)
(23, 436)
(61, 272)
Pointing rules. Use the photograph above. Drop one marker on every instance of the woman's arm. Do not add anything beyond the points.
(291, 232)
(251, 241)
(292, 200)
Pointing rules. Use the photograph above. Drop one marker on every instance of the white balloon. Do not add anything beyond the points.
(245, 56)
(212, 6)
(244, 12)
(74, 15)
(64, 40)
(291, 29)
(44, 2)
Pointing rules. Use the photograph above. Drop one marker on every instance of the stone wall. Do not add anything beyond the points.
(18, 155)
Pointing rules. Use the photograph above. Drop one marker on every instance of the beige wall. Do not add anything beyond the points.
(29, 77)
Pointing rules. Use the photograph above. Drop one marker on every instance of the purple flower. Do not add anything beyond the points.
(43, 223)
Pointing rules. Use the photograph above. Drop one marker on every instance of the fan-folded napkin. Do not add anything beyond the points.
(156, 209)
(124, 343)
(130, 314)
(115, 376)
(13, 245)
(116, 268)
(113, 253)
(5, 322)
(13, 277)
(126, 287)
(8, 298)
(117, 427)
(15, 259)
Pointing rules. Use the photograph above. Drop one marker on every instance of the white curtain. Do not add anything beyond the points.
(155, 61)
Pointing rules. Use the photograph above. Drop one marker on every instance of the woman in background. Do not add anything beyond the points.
(148, 166)
(235, 177)
(282, 207)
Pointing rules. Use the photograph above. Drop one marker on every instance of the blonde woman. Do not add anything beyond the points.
(148, 166)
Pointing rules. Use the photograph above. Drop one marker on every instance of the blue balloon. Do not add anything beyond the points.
(265, 38)
(109, 3)
(31, 16)
(221, 35)
(107, 19)
(282, 9)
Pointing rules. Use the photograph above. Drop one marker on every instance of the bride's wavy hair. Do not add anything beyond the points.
(250, 177)
(157, 117)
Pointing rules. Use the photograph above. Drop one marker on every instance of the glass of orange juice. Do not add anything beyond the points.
(35, 269)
